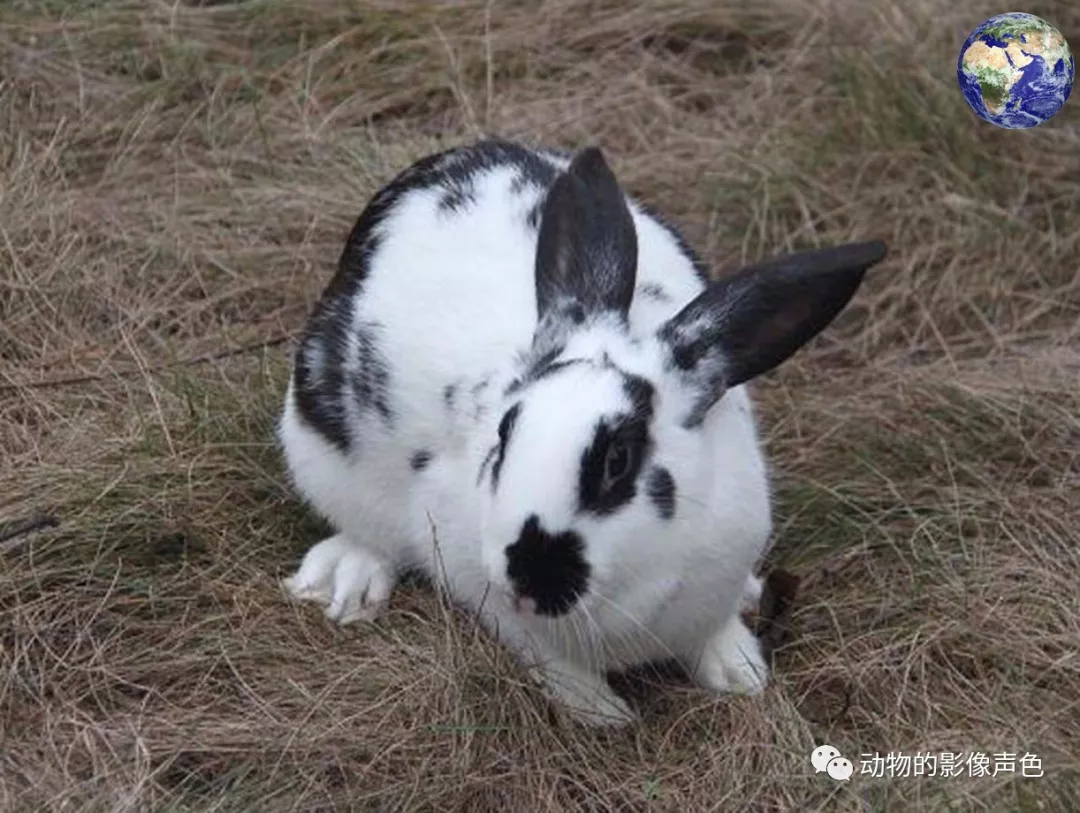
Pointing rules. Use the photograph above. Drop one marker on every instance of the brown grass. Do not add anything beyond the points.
(176, 183)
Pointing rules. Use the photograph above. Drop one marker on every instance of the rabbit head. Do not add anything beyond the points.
(606, 445)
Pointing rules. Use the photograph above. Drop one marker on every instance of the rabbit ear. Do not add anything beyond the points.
(586, 255)
(746, 324)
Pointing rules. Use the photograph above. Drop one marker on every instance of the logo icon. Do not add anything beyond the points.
(827, 759)
(840, 769)
(821, 756)
(1015, 70)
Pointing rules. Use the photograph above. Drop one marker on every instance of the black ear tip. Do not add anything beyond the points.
(589, 161)
(867, 254)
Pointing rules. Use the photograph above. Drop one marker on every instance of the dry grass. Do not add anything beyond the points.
(176, 184)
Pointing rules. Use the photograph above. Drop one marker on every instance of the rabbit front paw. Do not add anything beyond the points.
(353, 583)
(732, 661)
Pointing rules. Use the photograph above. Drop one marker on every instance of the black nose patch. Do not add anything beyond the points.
(548, 568)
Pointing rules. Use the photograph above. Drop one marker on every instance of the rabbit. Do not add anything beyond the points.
(523, 383)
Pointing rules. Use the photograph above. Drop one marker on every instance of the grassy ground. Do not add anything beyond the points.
(177, 180)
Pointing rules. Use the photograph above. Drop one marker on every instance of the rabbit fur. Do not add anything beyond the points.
(522, 382)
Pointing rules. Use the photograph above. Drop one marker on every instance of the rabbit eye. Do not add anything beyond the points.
(618, 461)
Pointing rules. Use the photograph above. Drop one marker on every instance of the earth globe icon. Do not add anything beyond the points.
(1016, 70)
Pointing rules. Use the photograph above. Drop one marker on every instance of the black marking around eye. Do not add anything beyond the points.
(632, 428)
(660, 487)
(420, 460)
(506, 431)
(548, 568)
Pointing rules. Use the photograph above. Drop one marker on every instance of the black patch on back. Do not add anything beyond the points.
(548, 568)
(506, 431)
(420, 460)
(319, 381)
(595, 494)
(321, 388)
(660, 486)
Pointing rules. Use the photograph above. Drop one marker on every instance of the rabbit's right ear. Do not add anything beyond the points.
(586, 255)
(745, 324)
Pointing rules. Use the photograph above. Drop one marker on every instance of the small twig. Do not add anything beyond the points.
(27, 526)
(202, 358)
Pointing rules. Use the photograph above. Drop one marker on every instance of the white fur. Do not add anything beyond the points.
(453, 297)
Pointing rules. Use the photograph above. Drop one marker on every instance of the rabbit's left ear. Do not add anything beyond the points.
(586, 256)
(746, 324)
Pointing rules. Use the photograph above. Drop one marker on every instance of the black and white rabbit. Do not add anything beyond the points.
(523, 383)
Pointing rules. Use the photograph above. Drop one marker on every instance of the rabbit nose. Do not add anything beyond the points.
(549, 568)
(523, 604)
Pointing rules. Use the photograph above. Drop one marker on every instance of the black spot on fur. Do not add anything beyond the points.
(371, 380)
(456, 175)
(540, 368)
(548, 568)
(420, 460)
(661, 490)
(555, 367)
(477, 392)
(538, 174)
(641, 392)
(457, 198)
(494, 450)
(535, 213)
(655, 292)
(506, 431)
(545, 359)
(449, 395)
(623, 438)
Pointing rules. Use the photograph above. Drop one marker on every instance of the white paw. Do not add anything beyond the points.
(732, 661)
(352, 582)
(586, 697)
